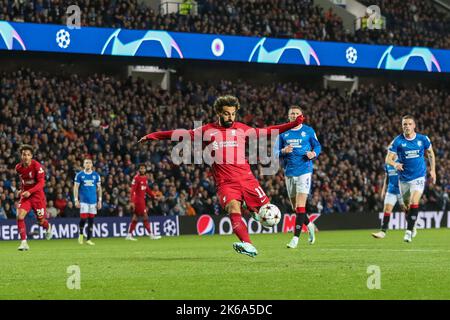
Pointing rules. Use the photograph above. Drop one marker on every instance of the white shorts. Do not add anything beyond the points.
(88, 208)
(300, 184)
(406, 188)
(392, 199)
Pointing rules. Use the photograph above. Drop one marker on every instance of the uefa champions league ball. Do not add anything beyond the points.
(269, 215)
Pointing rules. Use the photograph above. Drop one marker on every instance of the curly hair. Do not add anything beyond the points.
(226, 101)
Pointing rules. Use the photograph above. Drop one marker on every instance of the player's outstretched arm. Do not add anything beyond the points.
(280, 128)
(175, 135)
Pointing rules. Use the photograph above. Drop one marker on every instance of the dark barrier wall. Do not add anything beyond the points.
(206, 224)
(65, 228)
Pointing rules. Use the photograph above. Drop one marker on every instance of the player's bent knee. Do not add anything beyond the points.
(21, 214)
(388, 208)
(233, 206)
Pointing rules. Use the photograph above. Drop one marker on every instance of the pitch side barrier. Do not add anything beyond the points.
(67, 228)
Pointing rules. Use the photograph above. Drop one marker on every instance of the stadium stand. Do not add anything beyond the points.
(65, 117)
(412, 23)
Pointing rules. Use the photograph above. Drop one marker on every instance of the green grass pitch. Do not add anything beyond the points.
(206, 267)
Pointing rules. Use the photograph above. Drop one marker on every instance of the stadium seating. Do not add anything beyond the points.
(104, 116)
(418, 24)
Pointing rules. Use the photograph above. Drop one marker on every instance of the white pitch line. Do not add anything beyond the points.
(384, 250)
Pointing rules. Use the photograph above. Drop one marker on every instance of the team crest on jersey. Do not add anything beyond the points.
(419, 143)
(303, 134)
(403, 144)
(233, 132)
(31, 174)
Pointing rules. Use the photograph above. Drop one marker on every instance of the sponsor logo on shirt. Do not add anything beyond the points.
(411, 154)
(225, 144)
(89, 183)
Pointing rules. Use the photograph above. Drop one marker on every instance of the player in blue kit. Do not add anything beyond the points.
(87, 185)
(410, 148)
(391, 197)
(297, 148)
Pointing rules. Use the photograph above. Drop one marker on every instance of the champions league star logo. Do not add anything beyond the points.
(391, 63)
(8, 35)
(266, 56)
(120, 48)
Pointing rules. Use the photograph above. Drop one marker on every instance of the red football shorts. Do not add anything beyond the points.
(37, 202)
(140, 208)
(249, 191)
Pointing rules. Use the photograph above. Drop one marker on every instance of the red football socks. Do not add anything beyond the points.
(44, 223)
(22, 229)
(132, 226)
(239, 227)
(147, 226)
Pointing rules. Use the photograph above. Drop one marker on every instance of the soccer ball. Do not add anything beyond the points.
(269, 215)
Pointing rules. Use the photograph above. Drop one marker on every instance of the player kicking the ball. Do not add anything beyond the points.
(88, 185)
(297, 148)
(391, 197)
(139, 187)
(410, 148)
(234, 180)
(32, 196)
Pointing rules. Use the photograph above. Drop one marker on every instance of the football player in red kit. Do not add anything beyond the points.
(235, 182)
(139, 188)
(32, 196)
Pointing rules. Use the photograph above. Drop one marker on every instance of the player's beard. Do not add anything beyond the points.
(226, 124)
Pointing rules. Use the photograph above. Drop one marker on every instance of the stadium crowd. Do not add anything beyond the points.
(413, 23)
(65, 118)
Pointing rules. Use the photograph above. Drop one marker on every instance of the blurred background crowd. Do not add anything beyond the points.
(409, 23)
(67, 117)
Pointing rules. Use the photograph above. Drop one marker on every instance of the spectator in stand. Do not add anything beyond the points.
(52, 211)
(348, 176)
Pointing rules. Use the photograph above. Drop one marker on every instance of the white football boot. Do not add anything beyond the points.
(379, 235)
(23, 246)
(408, 236)
(293, 243)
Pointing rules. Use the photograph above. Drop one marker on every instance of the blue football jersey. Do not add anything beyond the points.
(88, 186)
(303, 140)
(392, 176)
(411, 153)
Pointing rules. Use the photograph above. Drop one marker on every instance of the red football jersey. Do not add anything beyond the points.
(226, 146)
(32, 178)
(139, 187)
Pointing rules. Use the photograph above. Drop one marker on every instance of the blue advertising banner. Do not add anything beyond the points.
(175, 45)
(67, 228)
